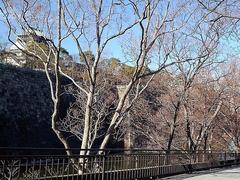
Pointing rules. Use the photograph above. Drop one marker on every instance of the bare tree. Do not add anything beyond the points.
(200, 117)
(227, 130)
(197, 50)
(93, 26)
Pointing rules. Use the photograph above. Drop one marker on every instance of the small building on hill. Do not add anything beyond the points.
(35, 41)
(15, 55)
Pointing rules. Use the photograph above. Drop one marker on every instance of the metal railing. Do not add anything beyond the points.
(112, 164)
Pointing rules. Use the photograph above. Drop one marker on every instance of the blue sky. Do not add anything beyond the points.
(112, 50)
(228, 45)
(114, 47)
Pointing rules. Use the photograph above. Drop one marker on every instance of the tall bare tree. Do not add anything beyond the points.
(93, 26)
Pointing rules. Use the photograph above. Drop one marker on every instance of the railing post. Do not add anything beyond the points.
(136, 161)
(225, 156)
(103, 166)
(159, 163)
(235, 157)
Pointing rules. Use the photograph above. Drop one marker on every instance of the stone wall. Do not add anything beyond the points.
(25, 108)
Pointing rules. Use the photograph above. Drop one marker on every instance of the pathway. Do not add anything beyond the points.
(216, 174)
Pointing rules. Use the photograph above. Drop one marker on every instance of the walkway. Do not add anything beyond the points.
(216, 174)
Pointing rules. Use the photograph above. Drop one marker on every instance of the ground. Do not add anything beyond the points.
(232, 173)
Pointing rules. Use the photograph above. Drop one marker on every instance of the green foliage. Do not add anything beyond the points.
(41, 50)
(63, 50)
(3, 52)
(128, 70)
(124, 69)
(114, 62)
(89, 56)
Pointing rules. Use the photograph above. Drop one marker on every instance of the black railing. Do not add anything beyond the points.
(111, 164)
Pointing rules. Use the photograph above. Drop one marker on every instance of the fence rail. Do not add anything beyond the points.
(112, 164)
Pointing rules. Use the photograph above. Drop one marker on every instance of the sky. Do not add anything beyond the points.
(113, 49)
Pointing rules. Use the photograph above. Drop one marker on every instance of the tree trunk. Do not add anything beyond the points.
(172, 132)
(116, 116)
